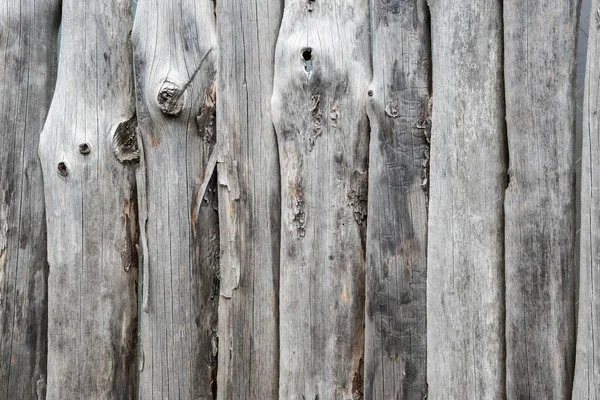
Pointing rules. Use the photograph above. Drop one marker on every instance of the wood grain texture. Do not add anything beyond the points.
(465, 305)
(587, 366)
(399, 111)
(322, 70)
(28, 63)
(249, 213)
(91, 208)
(175, 66)
(540, 42)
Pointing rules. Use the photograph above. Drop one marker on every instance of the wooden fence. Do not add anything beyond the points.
(297, 199)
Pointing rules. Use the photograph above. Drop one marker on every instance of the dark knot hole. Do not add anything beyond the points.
(84, 148)
(62, 168)
(307, 57)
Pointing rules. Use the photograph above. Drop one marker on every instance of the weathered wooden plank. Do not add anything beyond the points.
(28, 62)
(91, 207)
(249, 216)
(587, 360)
(175, 64)
(399, 111)
(322, 70)
(465, 305)
(540, 39)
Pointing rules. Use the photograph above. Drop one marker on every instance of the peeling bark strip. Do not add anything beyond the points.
(587, 367)
(175, 56)
(396, 320)
(91, 209)
(249, 200)
(540, 43)
(28, 65)
(465, 305)
(322, 69)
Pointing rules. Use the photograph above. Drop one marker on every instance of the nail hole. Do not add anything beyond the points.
(84, 148)
(370, 93)
(62, 168)
(307, 57)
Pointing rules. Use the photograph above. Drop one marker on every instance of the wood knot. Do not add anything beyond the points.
(391, 108)
(171, 98)
(62, 169)
(85, 148)
(125, 146)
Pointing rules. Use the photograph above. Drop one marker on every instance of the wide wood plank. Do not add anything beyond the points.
(91, 207)
(540, 40)
(249, 212)
(28, 64)
(175, 65)
(465, 303)
(322, 70)
(399, 109)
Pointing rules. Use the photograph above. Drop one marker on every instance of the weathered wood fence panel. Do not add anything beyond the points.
(28, 63)
(587, 367)
(322, 70)
(465, 305)
(91, 207)
(249, 200)
(539, 54)
(399, 111)
(175, 64)
(242, 170)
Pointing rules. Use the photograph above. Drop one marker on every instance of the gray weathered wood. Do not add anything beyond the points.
(399, 111)
(91, 207)
(540, 39)
(28, 63)
(322, 70)
(465, 305)
(587, 361)
(249, 214)
(175, 57)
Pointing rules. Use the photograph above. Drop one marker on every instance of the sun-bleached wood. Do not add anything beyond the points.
(249, 211)
(91, 208)
(28, 62)
(540, 41)
(399, 107)
(175, 55)
(465, 303)
(322, 70)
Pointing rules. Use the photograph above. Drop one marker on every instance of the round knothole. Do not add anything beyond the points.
(307, 54)
(62, 168)
(85, 148)
(370, 93)
(307, 57)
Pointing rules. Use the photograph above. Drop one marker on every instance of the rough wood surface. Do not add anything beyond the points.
(91, 208)
(322, 70)
(540, 39)
(28, 63)
(175, 57)
(587, 360)
(250, 212)
(465, 305)
(399, 111)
